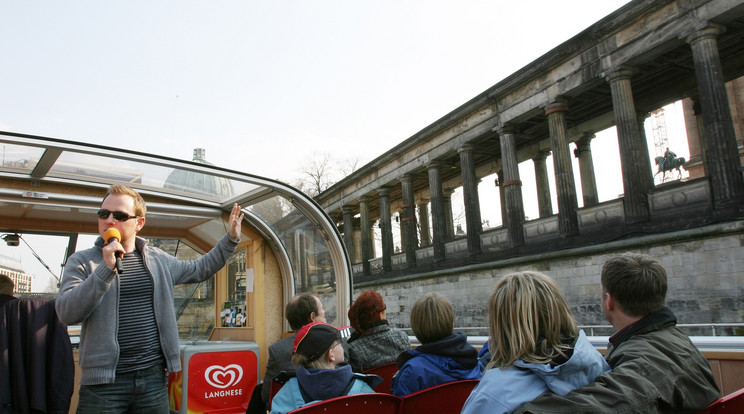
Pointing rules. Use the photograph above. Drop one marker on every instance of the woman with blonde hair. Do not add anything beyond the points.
(535, 346)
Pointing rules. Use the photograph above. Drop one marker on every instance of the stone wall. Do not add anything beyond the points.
(705, 269)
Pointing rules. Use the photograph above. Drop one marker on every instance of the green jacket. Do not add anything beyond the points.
(655, 369)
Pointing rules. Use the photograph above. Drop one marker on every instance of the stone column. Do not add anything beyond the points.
(568, 222)
(470, 197)
(694, 129)
(583, 152)
(502, 199)
(348, 215)
(357, 242)
(423, 219)
(544, 202)
(439, 221)
(408, 220)
(448, 217)
(722, 162)
(386, 229)
(366, 229)
(634, 158)
(512, 185)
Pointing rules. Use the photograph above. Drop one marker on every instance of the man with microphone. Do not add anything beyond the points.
(129, 337)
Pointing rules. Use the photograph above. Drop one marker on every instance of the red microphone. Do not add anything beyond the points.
(110, 235)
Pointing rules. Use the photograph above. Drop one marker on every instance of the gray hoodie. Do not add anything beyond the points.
(90, 295)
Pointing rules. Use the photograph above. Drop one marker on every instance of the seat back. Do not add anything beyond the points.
(357, 403)
(442, 399)
(729, 404)
(386, 372)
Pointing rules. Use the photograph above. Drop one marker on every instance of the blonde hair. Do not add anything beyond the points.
(528, 320)
(432, 318)
(140, 209)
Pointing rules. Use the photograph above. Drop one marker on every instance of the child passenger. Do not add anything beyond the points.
(322, 374)
(443, 356)
(535, 346)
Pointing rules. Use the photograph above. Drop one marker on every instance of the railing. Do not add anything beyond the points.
(714, 327)
(713, 341)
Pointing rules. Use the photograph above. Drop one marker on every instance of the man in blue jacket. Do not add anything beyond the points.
(129, 335)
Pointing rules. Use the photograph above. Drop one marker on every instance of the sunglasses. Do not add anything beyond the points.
(103, 214)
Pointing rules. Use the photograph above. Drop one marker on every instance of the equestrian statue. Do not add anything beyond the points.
(670, 161)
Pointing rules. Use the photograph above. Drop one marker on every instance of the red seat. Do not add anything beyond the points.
(729, 404)
(356, 403)
(442, 399)
(386, 372)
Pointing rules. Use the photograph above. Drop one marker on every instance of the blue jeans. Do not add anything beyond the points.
(143, 391)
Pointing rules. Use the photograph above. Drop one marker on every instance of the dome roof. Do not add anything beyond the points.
(195, 182)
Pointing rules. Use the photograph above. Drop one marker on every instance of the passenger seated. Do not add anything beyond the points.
(536, 346)
(322, 372)
(373, 342)
(443, 356)
(655, 367)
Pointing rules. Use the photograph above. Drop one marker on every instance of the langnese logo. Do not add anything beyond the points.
(223, 377)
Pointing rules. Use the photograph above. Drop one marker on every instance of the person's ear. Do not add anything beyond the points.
(140, 223)
(330, 356)
(609, 301)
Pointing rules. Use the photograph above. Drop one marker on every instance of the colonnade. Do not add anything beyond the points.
(720, 157)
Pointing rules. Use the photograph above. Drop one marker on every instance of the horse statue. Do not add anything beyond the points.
(670, 161)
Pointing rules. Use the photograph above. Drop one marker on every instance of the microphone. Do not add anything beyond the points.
(110, 235)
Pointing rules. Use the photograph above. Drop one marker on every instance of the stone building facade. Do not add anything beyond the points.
(643, 56)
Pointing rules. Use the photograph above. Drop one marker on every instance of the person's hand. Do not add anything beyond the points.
(236, 220)
(109, 253)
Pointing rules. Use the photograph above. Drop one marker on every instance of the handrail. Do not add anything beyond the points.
(590, 328)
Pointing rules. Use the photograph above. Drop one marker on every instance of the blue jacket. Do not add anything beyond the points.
(320, 384)
(449, 359)
(503, 390)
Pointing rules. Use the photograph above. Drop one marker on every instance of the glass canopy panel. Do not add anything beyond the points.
(178, 181)
(312, 247)
(19, 158)
(308, 251)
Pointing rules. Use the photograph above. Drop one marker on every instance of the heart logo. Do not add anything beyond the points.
(223, 377)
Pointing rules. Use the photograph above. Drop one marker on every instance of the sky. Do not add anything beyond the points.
(262, 85)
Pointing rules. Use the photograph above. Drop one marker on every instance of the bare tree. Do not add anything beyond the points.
(321, 170)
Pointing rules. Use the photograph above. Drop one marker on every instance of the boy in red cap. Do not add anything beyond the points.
(323, 372)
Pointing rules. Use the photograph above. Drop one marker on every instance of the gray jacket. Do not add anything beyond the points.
(90, 295)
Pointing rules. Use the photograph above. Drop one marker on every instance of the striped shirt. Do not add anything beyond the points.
(139, 342)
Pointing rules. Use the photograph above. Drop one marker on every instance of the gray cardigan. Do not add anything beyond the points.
(90, 295)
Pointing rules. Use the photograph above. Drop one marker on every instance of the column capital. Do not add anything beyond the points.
(623, 72)
(585, 140)
(541, 155)
(347, 209)
(407, 177)
(434, 164)
(560, 104)
(465, 148)
(505, 129)
(705, 30)
(383, 191)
